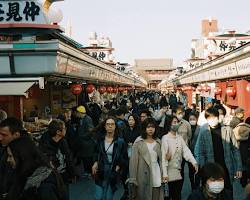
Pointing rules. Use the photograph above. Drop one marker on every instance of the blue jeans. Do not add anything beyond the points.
(103, 192)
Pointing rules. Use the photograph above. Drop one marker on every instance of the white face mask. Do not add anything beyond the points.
(213, 122)
(180, 116)
(221, 118)
(216, 187)
(193, 122)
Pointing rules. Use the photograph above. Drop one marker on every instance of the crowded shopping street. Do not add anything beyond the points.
(124, 100)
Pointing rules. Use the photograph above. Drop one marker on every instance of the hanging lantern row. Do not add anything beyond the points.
(76, 89)
(230, 90)
(114, 90)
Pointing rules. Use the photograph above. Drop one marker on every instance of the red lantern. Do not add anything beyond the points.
(109, 90)
(207, 88)
(188, 88)
(90, 88)
(199, 88)
(248, 88)
(76, 89)
(217, 91)
(102, 90)
(115, 90)
(120, 89)
(231, 91)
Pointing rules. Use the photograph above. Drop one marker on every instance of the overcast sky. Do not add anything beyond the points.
(151, 28)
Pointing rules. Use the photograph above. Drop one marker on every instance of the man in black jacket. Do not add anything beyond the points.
(10, 129)
(56, 150)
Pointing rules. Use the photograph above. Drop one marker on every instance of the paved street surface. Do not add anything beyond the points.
(84, 190)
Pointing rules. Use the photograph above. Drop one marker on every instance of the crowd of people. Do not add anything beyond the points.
(141, 140)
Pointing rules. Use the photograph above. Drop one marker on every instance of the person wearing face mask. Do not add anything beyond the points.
(212, 175)
(193, 118)
(161, 115)
(216, 143)
(222, 114)
(174, 149)
(184, 131)
(185, 128)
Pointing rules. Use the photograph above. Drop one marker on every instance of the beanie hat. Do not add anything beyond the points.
(241, 131)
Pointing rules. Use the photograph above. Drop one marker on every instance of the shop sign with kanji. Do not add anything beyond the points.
(12, 12)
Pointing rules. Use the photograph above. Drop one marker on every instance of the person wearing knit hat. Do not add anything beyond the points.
(239, 114)
(241, 132)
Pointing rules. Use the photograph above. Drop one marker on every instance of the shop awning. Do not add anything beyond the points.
(15, 88)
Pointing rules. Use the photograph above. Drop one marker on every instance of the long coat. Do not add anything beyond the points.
(141, 171)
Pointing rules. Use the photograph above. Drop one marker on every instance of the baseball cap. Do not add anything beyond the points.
(81, 109)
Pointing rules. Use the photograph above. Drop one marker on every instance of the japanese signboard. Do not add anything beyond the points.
(21, 12)
(222, 46)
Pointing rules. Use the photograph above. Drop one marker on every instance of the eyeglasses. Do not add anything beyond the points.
(110, 124)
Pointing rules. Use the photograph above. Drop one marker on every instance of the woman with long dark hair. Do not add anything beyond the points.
(132, 131)
(110, 159)
(145, 162)
(35, 179)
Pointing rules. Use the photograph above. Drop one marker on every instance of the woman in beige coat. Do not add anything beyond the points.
(145, 162)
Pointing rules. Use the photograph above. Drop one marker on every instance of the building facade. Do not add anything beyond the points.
(153, 70)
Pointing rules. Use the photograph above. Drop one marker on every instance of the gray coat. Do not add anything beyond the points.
(140, 169)
(204, 149)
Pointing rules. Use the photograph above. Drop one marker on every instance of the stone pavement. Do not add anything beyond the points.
(84, 190)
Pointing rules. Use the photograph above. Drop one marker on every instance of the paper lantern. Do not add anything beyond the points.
(231, 91)
(199, 88)
(217, 91)
(109, 90)
(120, 89)
(76, 89)
(102, 90)
(189, 88)
(115, 90)
(248, 88)
(207, 88)
(90, 88)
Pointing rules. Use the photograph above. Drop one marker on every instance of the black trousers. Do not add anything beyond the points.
(87, 164)
(175, 188)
